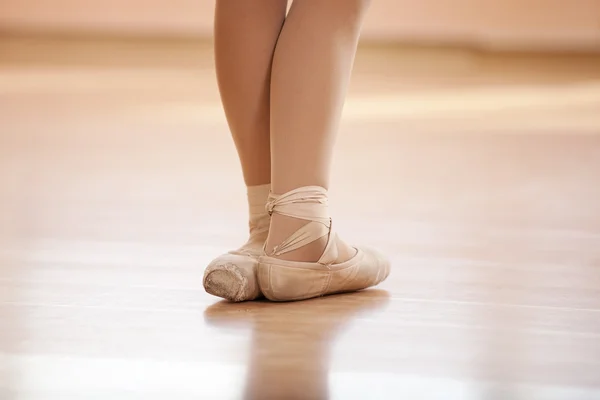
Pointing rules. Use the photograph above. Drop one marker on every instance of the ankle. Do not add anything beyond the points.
(257, 215)
(300, 224)
(280, 229)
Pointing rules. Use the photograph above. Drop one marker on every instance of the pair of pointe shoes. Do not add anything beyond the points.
(248, 272)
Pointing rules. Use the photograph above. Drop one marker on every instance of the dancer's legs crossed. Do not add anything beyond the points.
(245, 36)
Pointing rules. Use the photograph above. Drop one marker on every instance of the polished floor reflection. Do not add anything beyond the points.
(291, 359)
(478, 174)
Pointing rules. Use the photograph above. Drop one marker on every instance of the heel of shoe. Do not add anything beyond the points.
(281, 281)
(232, 277)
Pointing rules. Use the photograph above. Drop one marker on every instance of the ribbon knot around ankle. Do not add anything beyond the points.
(308, 203)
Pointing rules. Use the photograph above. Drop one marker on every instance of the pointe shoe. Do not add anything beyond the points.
(232, 276)
(282, 280)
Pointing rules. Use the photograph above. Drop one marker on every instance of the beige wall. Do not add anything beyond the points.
(547, 24)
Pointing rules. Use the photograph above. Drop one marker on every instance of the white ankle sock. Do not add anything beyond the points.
(257, 199)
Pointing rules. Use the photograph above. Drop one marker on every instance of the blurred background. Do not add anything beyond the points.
(531, 25)
(474, 124)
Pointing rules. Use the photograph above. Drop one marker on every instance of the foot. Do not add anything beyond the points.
(286, 272)
(232, 276)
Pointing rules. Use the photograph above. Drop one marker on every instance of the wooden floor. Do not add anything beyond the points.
(478, 174)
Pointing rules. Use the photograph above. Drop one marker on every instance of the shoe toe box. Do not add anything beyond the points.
(377, 263)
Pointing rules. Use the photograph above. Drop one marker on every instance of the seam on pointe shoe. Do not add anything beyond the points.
(270, 276)
(325, 268)
(260, 277)
(271, 290)
(326, 285)
(274, 297)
